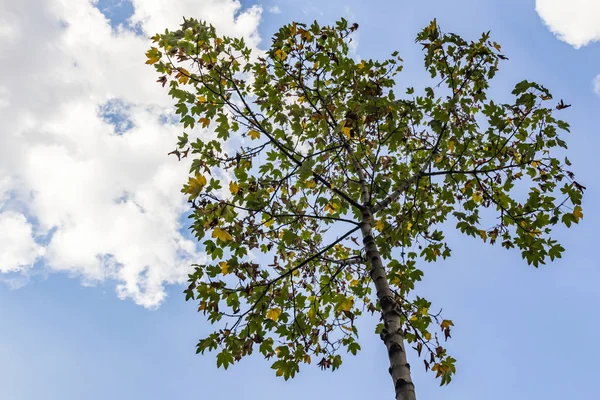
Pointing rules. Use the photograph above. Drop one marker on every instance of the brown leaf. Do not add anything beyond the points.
(562, 105)
(372, 308)
(163, 80)
(447, 333)
(177, 153)
(579, 187)
(324, 363)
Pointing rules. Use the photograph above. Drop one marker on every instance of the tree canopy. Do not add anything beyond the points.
(318, 191)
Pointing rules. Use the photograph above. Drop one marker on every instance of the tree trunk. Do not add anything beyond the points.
(392, 333)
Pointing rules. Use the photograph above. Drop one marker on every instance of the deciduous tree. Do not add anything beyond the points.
(321, 191)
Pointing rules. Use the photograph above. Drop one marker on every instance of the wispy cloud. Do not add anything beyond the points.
(596, 85)
(274, 9)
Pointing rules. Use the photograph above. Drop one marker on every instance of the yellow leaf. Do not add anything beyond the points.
(451, 145)
(183, 75)
(221, 234)
(330, 207)
(201, 179)
(316, 66)
(477, 197)
(306, 359)
(303, 123)
(269, 222)
(195, 184)
(233, 187)
(254, 134)
(353, 283)
(413, 318)
(577, 212)
(379, 225)
(346, 131)
(408, 226)
(273, 314)
(310, 184)
(153, 55)
(152, 60)
(483, 235)
(224, 267)
(300, 99)
(201, 99)
(361, 65)
(439, 158)
(219, 41)
(427, 336)
(280, 55)
(446, 324)
(517, 157)
(425, 311)
(205, 122)
(306, 35)
(535, 232)
(433, 26)
(348, 304)
(535, 164)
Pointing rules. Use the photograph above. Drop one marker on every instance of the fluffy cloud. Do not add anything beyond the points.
(19, 249)
(154, 15)
(576, 22)
(90, 189)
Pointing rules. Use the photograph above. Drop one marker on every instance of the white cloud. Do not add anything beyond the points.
(274, 9)
(155, 15)
(110, 199)
(19, 250)
(576, 22)
(596, 84)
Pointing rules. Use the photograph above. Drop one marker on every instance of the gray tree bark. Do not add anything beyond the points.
(392, 332)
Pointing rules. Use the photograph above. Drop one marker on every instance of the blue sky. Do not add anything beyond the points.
(73, 326)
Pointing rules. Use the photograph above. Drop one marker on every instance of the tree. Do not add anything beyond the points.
(320, 190)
